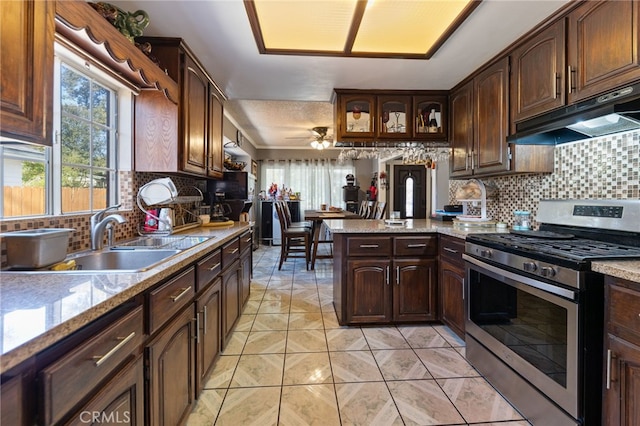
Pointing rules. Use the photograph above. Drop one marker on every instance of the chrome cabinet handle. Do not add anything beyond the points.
(248, 240)
(99, 360)
(183, 291)
(450, 250)
(397, 275)
(416, 245)
(198, 327)
(610, 357)
(387, 275)
(463, 289)
(369, 245)
(234, 251)
(204, 320)
(215, 266)
(570, 78)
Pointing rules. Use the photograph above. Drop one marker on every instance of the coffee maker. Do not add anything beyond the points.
(219, 209)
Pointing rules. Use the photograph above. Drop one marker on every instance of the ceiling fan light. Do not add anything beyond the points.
(325, 144)
(314, 144)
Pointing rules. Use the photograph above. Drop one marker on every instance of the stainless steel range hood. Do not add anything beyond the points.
(614, 112)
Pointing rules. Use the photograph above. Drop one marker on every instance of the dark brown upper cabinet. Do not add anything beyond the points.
(26, 66)
(188, 141)
(537, 73)
(603, 48)
(390, 115)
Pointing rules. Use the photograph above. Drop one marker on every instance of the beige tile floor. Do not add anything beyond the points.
(290, 363)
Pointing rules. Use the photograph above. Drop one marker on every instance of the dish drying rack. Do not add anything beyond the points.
(179, 220)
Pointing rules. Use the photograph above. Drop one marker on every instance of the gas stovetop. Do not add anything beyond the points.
(573, 233)
(564, 250)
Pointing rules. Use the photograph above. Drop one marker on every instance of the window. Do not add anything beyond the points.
(317, 181)
(92, 140)
(87, 139)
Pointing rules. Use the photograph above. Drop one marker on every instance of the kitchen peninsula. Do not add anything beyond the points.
(386, 274)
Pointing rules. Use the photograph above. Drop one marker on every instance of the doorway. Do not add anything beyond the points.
(410, 191)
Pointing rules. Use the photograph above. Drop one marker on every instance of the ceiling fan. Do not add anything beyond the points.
(321, 140)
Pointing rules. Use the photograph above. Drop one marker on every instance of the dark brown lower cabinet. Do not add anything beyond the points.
(451, 283)
(368, 291)
(121, 401)
(622, 353)
(385, 279)
(230, 300)
(245, 276)
(208, 321)
(171, 358)
(414, 289)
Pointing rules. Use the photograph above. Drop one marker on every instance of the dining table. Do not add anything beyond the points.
(316, 217)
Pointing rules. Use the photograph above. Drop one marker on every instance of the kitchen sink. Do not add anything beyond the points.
(166, 242)
(121, 261)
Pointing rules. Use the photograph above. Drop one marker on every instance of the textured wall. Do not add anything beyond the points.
(606, 168)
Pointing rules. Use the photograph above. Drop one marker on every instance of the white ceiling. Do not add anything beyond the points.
(275, 100)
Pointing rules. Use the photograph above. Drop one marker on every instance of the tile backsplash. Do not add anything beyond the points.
(80, 240)
(606, 168)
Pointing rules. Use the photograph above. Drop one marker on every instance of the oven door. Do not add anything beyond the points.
(530, 325)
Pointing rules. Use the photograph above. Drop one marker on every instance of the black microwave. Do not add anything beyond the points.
(235, 185)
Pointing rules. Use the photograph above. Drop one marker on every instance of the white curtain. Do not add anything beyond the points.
(317, 181)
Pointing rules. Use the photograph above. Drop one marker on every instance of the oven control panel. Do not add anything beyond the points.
(598, 211)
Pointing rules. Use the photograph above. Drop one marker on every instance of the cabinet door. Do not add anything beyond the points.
(26, 64)
(14, 400)
(425, 108)
(603, 49)
(216, 156)
(369, 291)
(461, 137)
(491, 119)
(121, 401)
(195, 98)
(230, 300)
(622, 391)
(537, 74)
(245, 276)
(171, 363)
(394, 117)
(414, 289)
(355, 116)
(451, 284)
(208, 334)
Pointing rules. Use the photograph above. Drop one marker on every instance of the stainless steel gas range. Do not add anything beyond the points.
(535, 310)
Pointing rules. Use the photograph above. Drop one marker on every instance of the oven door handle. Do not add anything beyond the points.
(549, 288)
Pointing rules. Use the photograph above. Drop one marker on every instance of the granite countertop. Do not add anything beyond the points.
(41, 309)
(625, 269)
(366, 226)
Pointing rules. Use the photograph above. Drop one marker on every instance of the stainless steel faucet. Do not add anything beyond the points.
(99, 223)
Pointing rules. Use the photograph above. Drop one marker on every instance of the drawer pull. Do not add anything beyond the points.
(99, 360)
(450, 250)
(234, 251)
(388, 275)
(369, 245)
(248, 240)
(183, 291)
(397, 275)
(217, 265)
(416, 245)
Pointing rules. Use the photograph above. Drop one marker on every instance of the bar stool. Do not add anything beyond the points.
(296, 242)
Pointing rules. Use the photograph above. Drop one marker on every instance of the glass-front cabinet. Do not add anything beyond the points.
(430, 117)
(393, 115)
(385, 115)
(357, 117)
